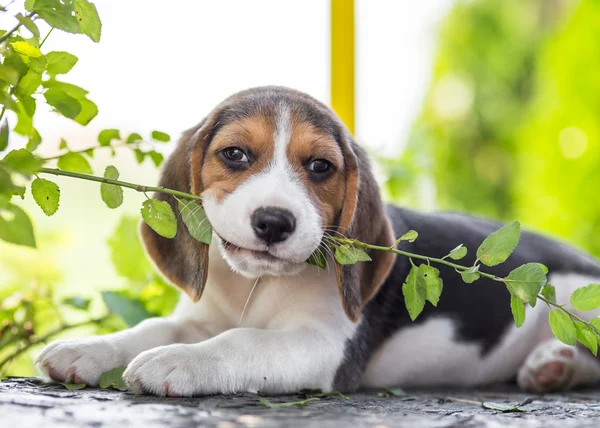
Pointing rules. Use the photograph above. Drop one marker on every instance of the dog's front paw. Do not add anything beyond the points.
(174, 371)
(549, 367)
(78, 360)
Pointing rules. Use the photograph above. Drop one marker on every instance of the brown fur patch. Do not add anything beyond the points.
(307, 143)
(255, 135)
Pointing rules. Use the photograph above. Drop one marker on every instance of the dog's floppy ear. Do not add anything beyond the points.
(362, 218)
(182, 260)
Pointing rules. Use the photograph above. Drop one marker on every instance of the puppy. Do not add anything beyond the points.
(278, 172)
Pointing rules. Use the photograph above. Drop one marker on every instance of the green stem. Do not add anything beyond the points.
(47, 336)
(136, 187)
(44, 41)
(10, 32)
(113, 146)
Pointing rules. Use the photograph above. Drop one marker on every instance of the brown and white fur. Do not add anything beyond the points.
(277, 172)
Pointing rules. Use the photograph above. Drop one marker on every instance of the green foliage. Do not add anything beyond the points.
(496, 248)
(60, 62)
(525, 282)
(15, 225)
(587, 337)
(317, 258)
(130, 310)
(586, 298)
(160, 217)
(458, 252)
(563, 327)
(517, 308)
(107, 135)
(194, 218)
(433, 283)
(21, 161)
(111, 194)
(161, 136)
(415, 292)
(470, 275)
(349, 255)
(46, 194)
(74, 162)
(113, 379)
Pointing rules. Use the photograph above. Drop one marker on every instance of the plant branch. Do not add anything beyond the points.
(49, 335)
(10, 32)
(113, 146)
(136, 187)
(44, 41)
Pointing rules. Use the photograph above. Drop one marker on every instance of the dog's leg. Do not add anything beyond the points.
(84, 360)
(243, 359)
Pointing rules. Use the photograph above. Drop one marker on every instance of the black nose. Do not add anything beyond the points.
(273, 224)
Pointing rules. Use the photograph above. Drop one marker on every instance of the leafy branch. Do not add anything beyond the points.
(48, 336)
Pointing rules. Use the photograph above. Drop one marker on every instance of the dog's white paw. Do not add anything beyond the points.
(175, 371)
(78, 360)
(550, 367)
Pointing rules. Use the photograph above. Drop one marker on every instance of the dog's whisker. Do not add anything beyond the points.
(248, 300)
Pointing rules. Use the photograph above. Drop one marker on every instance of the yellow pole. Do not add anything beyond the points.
(342, 60)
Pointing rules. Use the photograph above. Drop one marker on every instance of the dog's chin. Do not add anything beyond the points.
(254, 263)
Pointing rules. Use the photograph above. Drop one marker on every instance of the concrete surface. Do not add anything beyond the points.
(28, 403)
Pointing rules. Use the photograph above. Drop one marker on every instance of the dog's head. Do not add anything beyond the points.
(277, 171)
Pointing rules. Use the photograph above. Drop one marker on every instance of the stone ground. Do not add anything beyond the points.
(28, 403)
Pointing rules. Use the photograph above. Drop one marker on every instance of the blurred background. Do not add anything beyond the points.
(484, 106)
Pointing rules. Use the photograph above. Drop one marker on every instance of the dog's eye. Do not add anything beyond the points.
(319, 166)
(235, 154)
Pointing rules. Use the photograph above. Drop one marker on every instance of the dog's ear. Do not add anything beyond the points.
(362, 218)
(182, 260)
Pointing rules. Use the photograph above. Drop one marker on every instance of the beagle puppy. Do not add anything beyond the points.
(278, 172)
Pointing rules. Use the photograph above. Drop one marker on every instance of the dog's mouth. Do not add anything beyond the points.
(258, 254)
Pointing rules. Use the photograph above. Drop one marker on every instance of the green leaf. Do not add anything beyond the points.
(9, 75)
(496, 248)
(89, 110)
(107, 135)
(38, 65)
(500, 407)
(160, 217)
(157, 158)
(517, 308)
(23, 161)
(303, 403)
(129, 310)
(73, 90)
(26, 50)
(74, 386)
(15, 225)
(63, 144)
(126, 252)
(4, 134)
(57, 14)
(526, 281)
(77, 302)
(89, 21)
(414, 290)
(458, 252)
(195, 220)
(586, 298)
(46, 194)
(161, 136)
(28, 84)
(433, 282)
(74, 162)
(317, 258)
(139, 155)
(346, 255)
(28, 23)
(392, 392)
(596, 323)
(112, 195)
(63, 102)
(113, 379)
(133, 138)
(549, 292)
(587, 337)
(470, 275)
(60, 62)
(34, 140)
(7, 187)
(563, 327)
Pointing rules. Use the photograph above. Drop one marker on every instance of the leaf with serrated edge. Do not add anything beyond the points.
(160, 217)
(414, 290)
(74, 162)
(46, 194)
(89, 21)
(433, 282)
(526, 281)
(346, 255)
(518, 310)
(498, 246)
(113, 379)
(586, 298)
(587, 337)
(563, 327)
(111, 194)
(549, 292)
(195, 220)
(458, 252)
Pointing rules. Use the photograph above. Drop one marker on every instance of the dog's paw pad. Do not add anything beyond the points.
(548, 368)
